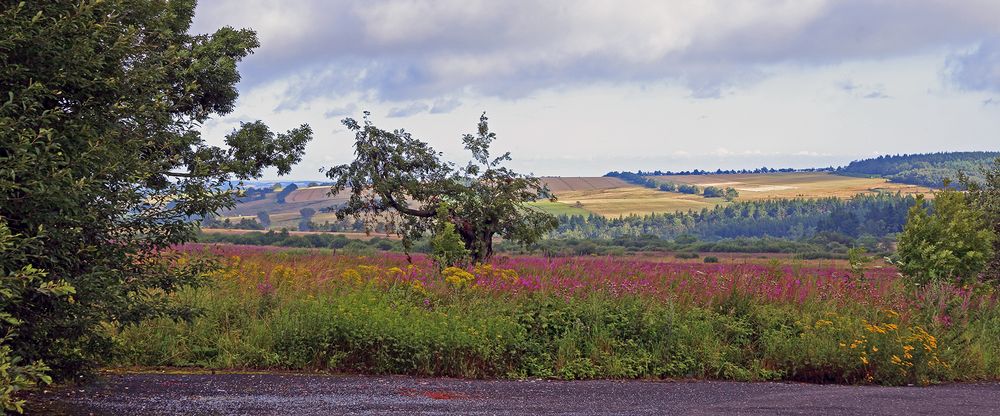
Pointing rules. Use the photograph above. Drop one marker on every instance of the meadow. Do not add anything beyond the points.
(569, 318)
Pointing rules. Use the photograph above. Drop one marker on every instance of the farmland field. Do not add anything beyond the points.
(794, 185)
(612, 196)
(559, 184)
(634, 200)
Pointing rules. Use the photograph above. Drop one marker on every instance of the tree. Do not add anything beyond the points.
(305, 224)
(952, 241)
(264, 219)
(284, 192)
(400, 181)
(447, 248)
(984, 196)
(731, 194)
(102, 165)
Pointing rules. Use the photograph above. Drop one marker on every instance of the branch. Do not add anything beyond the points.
(408, 211)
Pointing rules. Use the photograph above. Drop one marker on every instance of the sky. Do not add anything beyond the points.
(580, 87)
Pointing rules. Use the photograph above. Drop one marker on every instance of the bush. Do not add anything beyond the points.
(951, 243)
(711, 259)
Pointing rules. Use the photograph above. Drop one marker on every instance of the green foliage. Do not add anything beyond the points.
(984, 196)
(15, 286)
(305, 223)
(711, 259)
(402, 330)
(284, 192)
(103, 167)
(879, 215)
(264, 219)
(447, 248)
(951, 243)
(931, 169)
(400, 181)
(857, 258)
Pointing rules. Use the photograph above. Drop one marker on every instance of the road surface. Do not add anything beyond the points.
(278, 394)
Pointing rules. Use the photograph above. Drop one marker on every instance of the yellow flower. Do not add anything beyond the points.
(351, 276)
(457, 277)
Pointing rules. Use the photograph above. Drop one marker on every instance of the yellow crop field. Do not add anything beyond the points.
(634, 200)
(794, 185)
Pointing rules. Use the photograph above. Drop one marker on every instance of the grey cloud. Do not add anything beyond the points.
(413, 50)
(875, 95)
(407, 110)
(978, 70)
(335, 112)
(862, 91)
(445, 105)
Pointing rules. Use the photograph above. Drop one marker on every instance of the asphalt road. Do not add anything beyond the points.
(279, 394)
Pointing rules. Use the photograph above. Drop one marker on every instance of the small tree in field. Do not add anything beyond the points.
(264, 219)
(951, 242)
(401, 181)
(447, 247)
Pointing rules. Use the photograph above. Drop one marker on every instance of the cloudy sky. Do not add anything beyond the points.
(583, 87)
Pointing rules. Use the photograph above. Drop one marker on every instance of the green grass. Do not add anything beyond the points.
(559, 208)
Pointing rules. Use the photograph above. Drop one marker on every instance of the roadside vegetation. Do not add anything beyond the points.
(572, 318)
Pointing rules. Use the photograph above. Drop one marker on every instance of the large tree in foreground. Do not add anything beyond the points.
(403, 183)
(102, 165)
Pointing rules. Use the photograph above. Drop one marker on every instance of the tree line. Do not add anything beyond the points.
(871, 216)
(930, 169)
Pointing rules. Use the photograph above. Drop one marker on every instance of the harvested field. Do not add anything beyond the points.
(794, 185)
(315, 193)
(635, 200)
(561, 184)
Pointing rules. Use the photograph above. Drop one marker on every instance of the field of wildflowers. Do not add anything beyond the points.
(570, 318)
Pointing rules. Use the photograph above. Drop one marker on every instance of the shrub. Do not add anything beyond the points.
(711, 259)
(951, 243)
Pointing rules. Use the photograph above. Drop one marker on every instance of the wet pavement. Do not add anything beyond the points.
(310, 394)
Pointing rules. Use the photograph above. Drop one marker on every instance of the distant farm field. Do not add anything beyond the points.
(794, 185)
(611, 196)
(559, 208)
(634, 200)
(558, 184)
(614, 197)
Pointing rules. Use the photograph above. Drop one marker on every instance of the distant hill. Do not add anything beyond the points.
(928, 169)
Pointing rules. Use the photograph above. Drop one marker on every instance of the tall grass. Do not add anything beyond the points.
(571, 319)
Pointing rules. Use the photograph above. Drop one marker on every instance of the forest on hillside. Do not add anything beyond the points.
(930, 169)
(863, 216)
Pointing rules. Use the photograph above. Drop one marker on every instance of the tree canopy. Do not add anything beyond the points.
(984, 196)
(403, 182)
(951, 242)
(103, 166)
